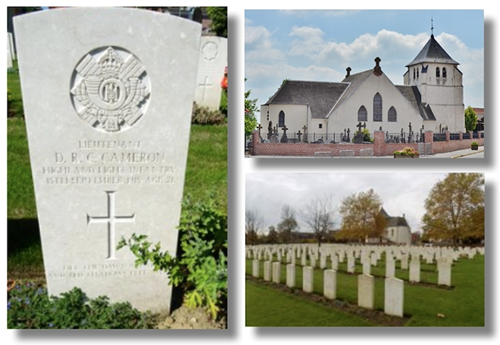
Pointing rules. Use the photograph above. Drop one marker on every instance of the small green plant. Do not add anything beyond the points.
(474, 143)
(204, 116)
(201, 266)
(29, 307)
(366, 135)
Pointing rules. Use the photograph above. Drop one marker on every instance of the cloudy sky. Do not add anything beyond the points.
(320, 44)
(401, 193)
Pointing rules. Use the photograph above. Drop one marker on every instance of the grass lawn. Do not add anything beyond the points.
(206, 177)
(461, 306)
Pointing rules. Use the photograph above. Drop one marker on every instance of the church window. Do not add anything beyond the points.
(444, 72)
(414, 73)
(362, 114)
(392, 115)
(438, 74)
(268, 115)
(377, 107)
(281, 119)
(418, 73)
(320, 125)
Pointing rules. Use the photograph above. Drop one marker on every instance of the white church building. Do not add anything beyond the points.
(432, 97)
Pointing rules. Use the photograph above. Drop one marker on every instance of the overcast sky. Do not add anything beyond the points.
(401, 193)
(319, 45)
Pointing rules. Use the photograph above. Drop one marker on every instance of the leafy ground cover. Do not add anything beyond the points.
(425, 305)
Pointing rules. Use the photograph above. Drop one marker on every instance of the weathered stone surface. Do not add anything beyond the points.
(366, 291)
(394, 297)
(290, 275)
(330, 284)
(107, 94)
(276, 272)
(308, 279)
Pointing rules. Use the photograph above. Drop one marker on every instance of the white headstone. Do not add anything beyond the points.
(330, 284)
(9, 51)
(255, 268)
(307, 279)
(10, 43)
(415, 271)
(108, 97)
(290, 275)
(213, 61)
(267, 270)
(351, 264)
(394, 297)
(390, 268)
(335, 262)
(366, 291)
(276, 272)
(444, 273)
(367, 266)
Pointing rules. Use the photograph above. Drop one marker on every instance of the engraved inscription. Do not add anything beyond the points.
(111, 219)
(110, 89)
(205, 85)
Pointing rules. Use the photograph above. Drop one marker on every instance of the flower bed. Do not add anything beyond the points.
(407, 152)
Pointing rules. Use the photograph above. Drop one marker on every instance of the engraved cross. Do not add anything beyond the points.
(204, 86)
(111, 219)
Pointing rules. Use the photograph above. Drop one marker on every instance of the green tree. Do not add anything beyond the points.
(287, 225)
(470, 119)
(250, 110)
(455, 209)
(272, 235)
(218, 15)
(361, 217)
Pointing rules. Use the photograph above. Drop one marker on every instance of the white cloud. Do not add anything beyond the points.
(309, 13)
(259, 44)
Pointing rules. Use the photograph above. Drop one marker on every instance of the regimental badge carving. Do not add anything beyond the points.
(210, 51)
(110, 89)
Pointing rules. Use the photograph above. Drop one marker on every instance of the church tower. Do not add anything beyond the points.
(437, 77)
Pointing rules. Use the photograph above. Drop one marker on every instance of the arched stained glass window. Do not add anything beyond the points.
(438, 74)
(392, 116)
(362, 114)
(377, 107)
(444, 72)
(281, 119)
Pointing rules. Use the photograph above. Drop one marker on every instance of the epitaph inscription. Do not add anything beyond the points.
(110, 89)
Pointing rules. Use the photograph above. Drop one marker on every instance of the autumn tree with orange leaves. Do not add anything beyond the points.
(455, 210)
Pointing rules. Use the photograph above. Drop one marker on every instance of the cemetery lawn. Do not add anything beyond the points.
(425, 305)
(206, 177)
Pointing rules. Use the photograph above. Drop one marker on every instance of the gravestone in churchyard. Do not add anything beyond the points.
(10, 44)
(330, 284)
(9, 51)
(414, 270)
(390, 268)
(255, 268)
(290, 275)
(307, 279)
(212, 63)
(366, 291)
(394, 297)
(108, 95)
(267, 270)
(276, 272)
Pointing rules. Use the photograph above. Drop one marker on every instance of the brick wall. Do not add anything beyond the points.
(379, 146)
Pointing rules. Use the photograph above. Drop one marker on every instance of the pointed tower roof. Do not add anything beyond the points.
(432, 52)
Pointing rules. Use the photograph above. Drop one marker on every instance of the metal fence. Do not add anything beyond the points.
(439, 137)
(312, 138)
(404, 137)
(466, 136)
(454, 136)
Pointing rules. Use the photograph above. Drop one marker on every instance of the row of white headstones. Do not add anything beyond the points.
(368, 255)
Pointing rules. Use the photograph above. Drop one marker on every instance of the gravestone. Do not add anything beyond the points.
(212, 63)
(444, 273)
(351, 264)
(307, 279)
(255, 268)
(11, 46)
(394, 297)
(9, 51)
(330, 284)
(267, 270)
(415, 270)
(290, 275)
(108, 95)
(366, 291)
(390, 268)
(276, 272)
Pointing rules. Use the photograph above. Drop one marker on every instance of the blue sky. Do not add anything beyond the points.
(320, 44)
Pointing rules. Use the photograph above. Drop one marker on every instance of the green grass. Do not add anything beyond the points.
(14, 86)
(461, 306)
(269, 307)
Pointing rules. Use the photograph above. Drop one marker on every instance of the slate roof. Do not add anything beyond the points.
(432, 52)
(393, 221)
(354, 80)
(412, 94)
(320, 96)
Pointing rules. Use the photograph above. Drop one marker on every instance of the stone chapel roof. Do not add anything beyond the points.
(320, 96)
(432, 52)
(393, 221)
(412, 94)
